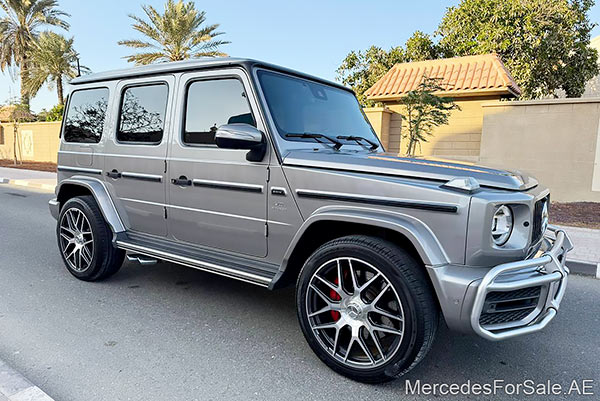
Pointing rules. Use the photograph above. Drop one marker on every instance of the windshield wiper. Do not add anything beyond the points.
(336, 144)
(374, 145)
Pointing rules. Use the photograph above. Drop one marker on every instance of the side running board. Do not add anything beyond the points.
(147, 250)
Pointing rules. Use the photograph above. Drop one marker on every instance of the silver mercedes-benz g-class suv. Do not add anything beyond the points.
(276, 178)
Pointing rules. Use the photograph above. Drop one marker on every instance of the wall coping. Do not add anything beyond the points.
(382, 109)
(41, 122)
(33, 123)
(543, 101)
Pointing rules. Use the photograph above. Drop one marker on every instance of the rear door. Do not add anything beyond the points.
(222, 203)
(136, 154)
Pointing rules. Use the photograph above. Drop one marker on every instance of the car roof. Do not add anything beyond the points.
(190, 65)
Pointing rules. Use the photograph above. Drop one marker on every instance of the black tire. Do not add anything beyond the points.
(408, 279)
(106, 260)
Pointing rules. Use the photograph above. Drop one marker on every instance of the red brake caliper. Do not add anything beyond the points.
(336, 297)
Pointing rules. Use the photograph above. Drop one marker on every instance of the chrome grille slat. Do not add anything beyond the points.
(504, 317)
(530, 292)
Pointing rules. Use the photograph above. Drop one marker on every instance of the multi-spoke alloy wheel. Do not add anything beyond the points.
(85, 240)
(355, 312)
(76, 239)
(366, 308)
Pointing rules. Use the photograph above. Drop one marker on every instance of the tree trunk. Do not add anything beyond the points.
(24, 75)
(59, 89)
(15, 129)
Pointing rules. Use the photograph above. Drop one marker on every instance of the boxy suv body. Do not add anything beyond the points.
(276, 178)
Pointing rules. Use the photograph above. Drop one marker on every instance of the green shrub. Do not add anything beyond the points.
(54, 114)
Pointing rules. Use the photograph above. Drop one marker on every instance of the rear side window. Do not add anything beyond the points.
(142, 115)
(85, 116)
(212, 103)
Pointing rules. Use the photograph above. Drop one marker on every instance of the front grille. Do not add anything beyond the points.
(536, 226)
(504, 317)
(509, 306)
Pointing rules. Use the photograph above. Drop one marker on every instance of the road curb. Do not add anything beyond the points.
(584, 268)
(30, 184)
(15, 387)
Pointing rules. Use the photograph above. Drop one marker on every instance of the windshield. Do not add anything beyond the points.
(299, 106)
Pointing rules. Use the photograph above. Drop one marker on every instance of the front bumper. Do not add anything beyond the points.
(547, 271)
(507, 300)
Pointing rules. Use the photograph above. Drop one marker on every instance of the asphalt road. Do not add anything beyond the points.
(167, 332)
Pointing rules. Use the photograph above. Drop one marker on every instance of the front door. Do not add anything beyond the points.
(217, 198)
(134, 166)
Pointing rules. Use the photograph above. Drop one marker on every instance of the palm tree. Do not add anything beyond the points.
(19, 31)
(178, 34)
(53, 61)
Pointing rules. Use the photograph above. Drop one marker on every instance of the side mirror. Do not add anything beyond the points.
(242, 136)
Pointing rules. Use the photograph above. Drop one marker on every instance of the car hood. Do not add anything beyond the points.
(395, 165)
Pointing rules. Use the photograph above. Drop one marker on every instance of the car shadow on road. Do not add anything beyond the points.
(271, 317)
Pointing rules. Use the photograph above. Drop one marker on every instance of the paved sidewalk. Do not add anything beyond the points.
(28, 178)
(586, 243)
(15, 387)
(585, 256)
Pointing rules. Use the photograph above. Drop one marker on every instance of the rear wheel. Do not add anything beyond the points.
(366, 308)
(84, 241)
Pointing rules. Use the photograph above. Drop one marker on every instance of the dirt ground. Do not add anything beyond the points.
(578, 214)
(27, 165)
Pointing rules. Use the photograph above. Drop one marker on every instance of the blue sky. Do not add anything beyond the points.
(311, 36)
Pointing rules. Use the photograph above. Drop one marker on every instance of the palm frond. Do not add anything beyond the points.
(214, 53)
(137, 44)
(19, 31)
(146, 58)
(176, 34)
(145, 28)
(52, 58)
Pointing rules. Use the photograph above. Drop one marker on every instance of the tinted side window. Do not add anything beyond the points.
(142, 115)
(210, 104)
(85, 116)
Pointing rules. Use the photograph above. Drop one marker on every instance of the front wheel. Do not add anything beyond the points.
(366, 308)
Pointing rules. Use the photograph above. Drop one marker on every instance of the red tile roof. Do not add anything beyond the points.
(461, 76)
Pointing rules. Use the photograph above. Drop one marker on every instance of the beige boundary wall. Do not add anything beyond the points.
(459, 140)
(35, 141)
(556, 140)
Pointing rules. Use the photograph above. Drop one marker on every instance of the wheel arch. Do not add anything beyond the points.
(325, 225)
(80, 186)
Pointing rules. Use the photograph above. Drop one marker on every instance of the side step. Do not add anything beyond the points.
(141, 259)
(148, 250)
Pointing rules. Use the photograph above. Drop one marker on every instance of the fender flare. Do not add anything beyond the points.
(418, 233)
(100, 193)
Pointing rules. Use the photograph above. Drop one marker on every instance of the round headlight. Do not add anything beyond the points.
(545, 217)
(502, 225)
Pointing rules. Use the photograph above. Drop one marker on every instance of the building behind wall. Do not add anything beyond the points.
(471, 81)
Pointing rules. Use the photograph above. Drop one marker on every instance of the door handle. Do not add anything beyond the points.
(181, 181)
(113, 174)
